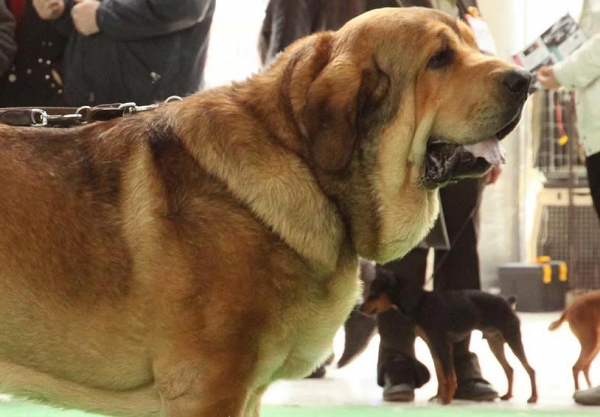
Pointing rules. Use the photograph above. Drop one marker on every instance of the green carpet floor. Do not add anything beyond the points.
(434, 411)
(19, 409)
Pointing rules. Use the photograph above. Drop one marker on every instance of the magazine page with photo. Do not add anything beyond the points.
(552, 46)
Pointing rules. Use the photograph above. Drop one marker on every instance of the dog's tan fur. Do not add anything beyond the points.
(177, 262)
(583, 315)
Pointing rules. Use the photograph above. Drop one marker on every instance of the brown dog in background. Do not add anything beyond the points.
(443, 318)
(583, 316)
(177, 262)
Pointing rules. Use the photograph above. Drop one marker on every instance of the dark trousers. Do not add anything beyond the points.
(457, 268)
(592, 163)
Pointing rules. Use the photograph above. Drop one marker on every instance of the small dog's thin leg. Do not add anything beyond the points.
(576, 376)
(441, 351)
(516, 345)
(586, 367)
(453, 384)
(442, 382)
(496, 343)
(589, 348)
(583, 363)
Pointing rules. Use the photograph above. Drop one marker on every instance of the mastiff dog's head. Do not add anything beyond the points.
(393, 105)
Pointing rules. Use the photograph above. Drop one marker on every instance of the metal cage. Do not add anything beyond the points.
(566, 225)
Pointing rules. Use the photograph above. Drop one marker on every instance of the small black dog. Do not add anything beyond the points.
(445, 317)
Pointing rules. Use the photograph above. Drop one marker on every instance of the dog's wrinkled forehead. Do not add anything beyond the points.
(446, 20)
(410, 33)
(448, 28)
(465, 33)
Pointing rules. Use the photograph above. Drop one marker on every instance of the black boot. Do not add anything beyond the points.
(471, 385)
(400, 378)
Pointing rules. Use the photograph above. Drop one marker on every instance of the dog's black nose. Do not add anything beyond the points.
(517, 81)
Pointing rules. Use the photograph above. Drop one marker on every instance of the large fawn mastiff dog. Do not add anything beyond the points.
(177, 262)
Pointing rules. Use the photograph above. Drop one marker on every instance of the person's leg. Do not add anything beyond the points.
(458, 269)
(398, 371)
(592, 164)
(591, 396)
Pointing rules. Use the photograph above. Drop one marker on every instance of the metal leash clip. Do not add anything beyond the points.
(40, 118)
(65, 117)
(131, 107)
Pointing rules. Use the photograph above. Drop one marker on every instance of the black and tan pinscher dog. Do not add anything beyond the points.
(443, 318)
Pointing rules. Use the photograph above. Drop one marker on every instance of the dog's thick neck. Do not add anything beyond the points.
(277, 186)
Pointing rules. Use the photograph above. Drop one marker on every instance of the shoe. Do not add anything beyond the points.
(588, 396)
(475, 390)
(402, 392)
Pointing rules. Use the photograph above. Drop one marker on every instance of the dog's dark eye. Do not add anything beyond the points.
(441, 59)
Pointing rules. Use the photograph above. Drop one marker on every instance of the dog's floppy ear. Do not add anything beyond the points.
(336, 99)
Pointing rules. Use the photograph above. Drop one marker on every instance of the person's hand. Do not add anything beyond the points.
(547, 78)
(49, 9)
(84, 16)
(493, 174)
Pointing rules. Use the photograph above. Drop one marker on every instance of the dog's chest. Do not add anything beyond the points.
(311, 325)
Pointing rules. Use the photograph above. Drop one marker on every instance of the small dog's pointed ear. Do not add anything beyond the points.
(512, 302)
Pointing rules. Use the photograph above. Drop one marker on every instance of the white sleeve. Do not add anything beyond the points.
(581, 67)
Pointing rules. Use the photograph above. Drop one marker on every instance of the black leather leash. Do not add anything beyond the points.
(72, 116)
(446, 253)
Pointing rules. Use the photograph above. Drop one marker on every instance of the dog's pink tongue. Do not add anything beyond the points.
(490, 150)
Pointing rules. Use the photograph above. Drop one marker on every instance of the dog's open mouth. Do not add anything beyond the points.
(446, 162)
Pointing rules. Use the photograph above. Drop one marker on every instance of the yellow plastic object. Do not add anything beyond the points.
(542, 259)
(546, 274)
(562, 272)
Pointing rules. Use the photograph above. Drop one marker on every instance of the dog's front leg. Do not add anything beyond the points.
(210, 386)
(254, 402)
(441, 352)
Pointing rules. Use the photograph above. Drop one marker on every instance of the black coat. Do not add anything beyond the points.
(288, 20)
(8, 46)
(145, 51)
(33, 79)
